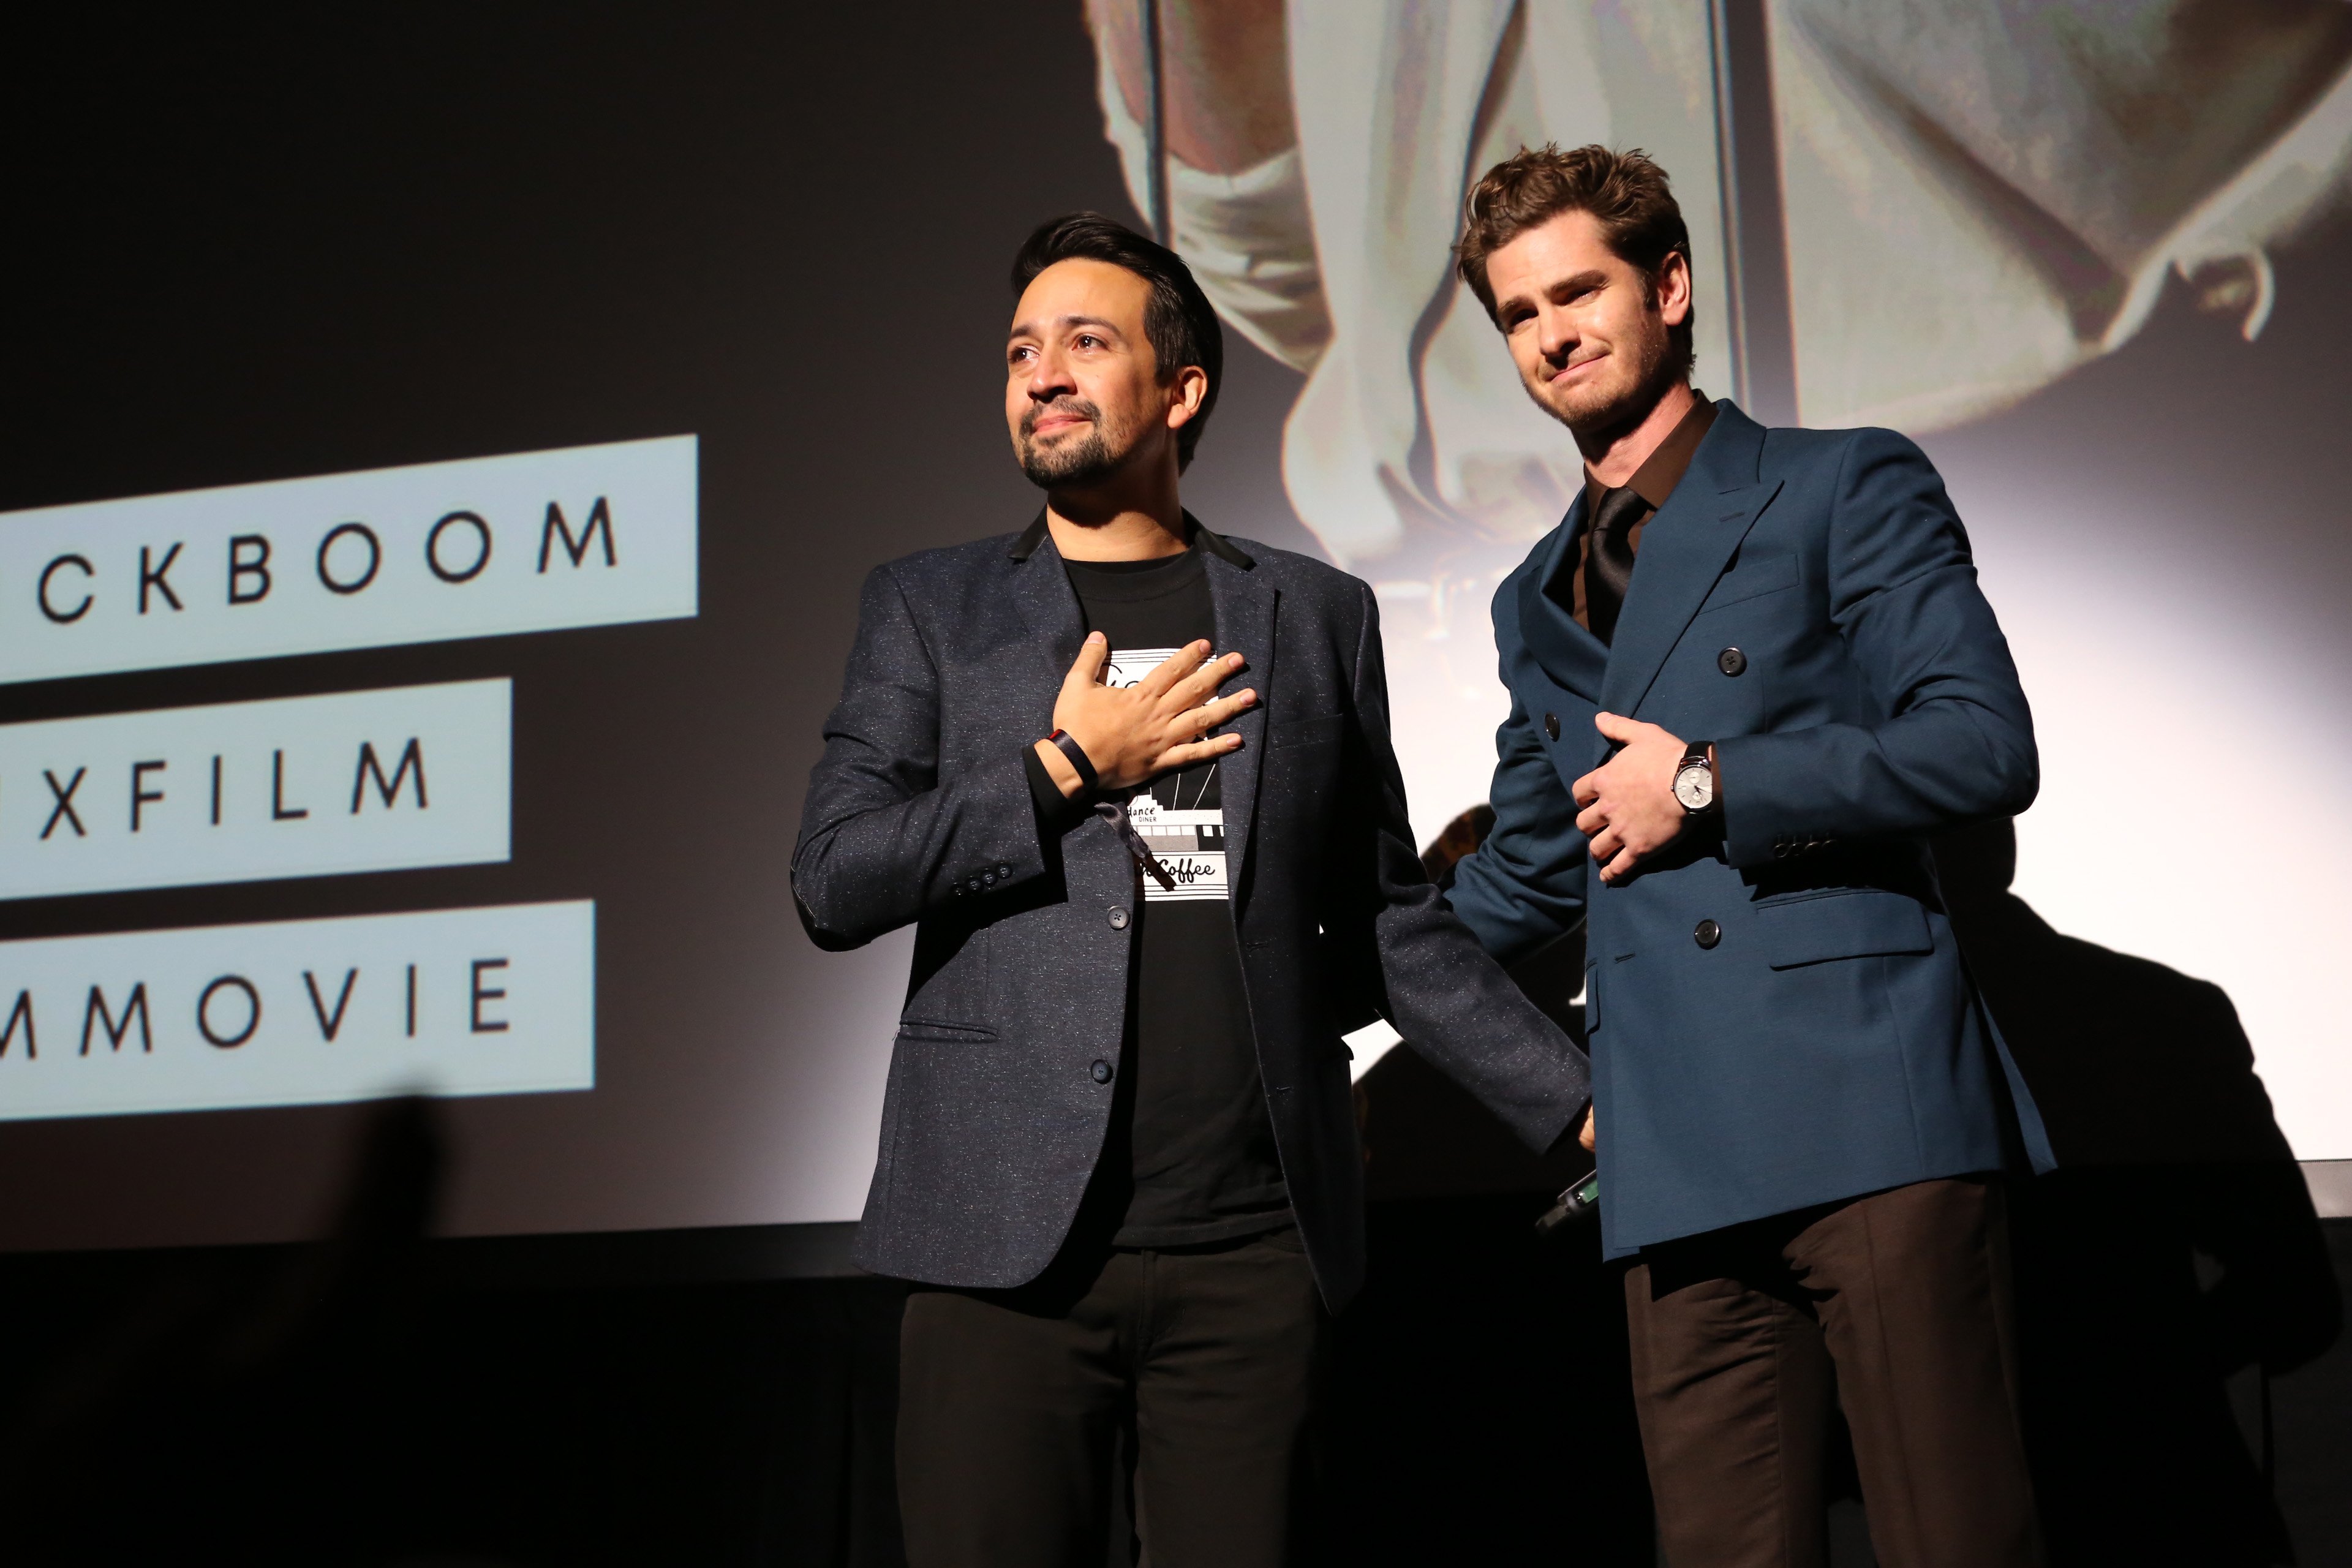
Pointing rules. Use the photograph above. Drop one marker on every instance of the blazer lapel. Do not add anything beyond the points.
(1571, 655)
(1246, 604)
(1684, 551)
(1048, 605)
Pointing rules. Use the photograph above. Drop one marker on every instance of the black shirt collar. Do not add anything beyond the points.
(1215, 544)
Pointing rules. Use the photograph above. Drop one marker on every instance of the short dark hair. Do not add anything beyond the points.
(1177, 317)
(1626, 192)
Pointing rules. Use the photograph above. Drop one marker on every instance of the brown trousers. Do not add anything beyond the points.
(1896, 1306)
(1009, 1402)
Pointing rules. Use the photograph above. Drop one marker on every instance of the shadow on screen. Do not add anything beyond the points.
(206, 1410)
(2172, 1263)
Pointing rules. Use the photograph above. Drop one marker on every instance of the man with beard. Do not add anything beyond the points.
(1750, 672)
(1119, 1151)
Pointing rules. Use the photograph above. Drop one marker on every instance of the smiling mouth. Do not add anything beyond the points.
(1046, 423)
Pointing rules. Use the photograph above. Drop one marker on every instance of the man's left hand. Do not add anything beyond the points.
(1629, 812)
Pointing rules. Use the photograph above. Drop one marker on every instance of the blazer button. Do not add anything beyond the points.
(1708, 934)
(1731, 661)
(1102, 1072)
(1551, 726)
(1117, 918)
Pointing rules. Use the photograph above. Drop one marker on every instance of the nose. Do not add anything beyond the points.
(1556, 333)
(1049, 377)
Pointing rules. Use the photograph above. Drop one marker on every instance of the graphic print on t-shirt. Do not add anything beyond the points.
(1181, 816)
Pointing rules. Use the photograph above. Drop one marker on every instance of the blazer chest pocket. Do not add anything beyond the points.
(1753, 580)
(1814, 928)
(1307, 732)
(946, 1033)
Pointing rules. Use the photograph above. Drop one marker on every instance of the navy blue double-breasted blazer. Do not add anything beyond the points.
(1820, 1039)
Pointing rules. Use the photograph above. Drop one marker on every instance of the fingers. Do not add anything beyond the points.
(1587, 789)
(1209, 715)
(1588, 1136)
(1617, 728)
(1093, 654)
(1202, 684)
(1591, 819)
(1172, 668)
(1203, 747)
(1606, 843)
(1624, 863)
(1192, 751)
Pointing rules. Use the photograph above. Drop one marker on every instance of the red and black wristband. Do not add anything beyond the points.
(1088, 780)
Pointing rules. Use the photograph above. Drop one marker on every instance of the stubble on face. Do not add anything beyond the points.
(1075, 459)
(1631, 377)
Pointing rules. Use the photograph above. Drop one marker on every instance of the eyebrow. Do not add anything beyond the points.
(1591, 276)
(1030, 330)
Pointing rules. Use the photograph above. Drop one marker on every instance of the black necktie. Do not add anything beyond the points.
(1609, 562)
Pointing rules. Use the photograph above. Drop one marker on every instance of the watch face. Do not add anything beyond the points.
(1695, 788)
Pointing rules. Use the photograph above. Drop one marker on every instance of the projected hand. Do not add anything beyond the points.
(1629, 811)
(1156, 726)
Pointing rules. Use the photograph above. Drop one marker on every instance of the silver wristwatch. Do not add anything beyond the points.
(1695, 780)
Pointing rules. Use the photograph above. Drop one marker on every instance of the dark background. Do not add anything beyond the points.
(255, 246)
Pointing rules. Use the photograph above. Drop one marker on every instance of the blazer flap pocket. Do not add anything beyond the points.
(1753, 580)
(1858, 924)
(1308, 731)
(927, 1029)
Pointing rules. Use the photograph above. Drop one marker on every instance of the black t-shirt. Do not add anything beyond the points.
(1190, 1156)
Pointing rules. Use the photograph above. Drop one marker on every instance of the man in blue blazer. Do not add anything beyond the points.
(1750, 671)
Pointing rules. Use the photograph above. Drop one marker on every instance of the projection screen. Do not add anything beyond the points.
(442, 449)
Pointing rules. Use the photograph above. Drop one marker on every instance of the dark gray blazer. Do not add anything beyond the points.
(921, 811)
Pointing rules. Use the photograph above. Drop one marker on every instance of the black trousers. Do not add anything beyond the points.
(1011, 1404)
(1897, 1307)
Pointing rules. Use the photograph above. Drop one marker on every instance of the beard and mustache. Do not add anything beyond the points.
(1074, 462)
(1648, 369)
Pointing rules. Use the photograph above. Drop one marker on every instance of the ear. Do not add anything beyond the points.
(1189, 391)
(1674, 288)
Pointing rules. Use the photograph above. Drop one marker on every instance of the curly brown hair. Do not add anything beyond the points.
(1626, 192)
